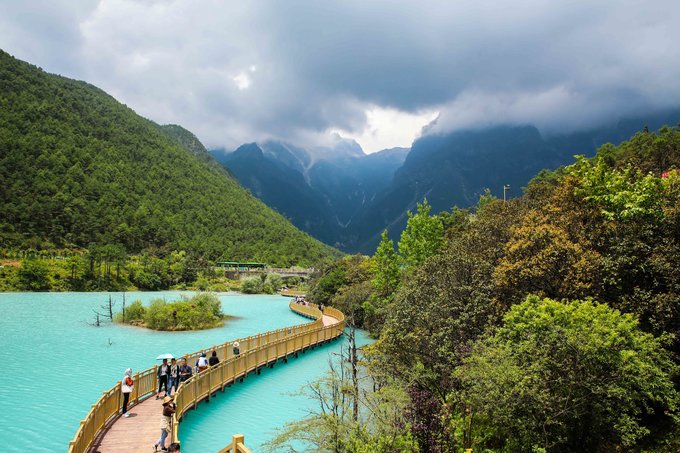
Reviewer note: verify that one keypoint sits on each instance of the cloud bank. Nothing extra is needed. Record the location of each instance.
(235, 72)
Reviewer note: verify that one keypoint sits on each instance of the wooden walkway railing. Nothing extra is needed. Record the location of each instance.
(237, 445)
(258, 351)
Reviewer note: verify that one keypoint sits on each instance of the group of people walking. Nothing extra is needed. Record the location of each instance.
(301, 300)
(170, 376)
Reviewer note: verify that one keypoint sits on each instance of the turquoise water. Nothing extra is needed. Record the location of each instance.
(260, 404)
(55, 365)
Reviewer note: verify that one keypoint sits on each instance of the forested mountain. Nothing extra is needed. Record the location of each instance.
(346, 198)
(281, 187)
(189, 141)
(321, 190)
(79, 168)
(454, 169)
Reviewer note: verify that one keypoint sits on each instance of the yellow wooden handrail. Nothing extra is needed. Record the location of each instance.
(202, 385)
(258, 350)
(237, 445)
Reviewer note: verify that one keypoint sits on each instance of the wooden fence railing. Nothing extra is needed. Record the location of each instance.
(202, 385)
(258, 350)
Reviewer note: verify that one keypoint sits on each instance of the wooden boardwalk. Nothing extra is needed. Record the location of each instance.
(141, 430)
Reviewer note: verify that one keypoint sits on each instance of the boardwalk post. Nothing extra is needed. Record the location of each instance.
(210, 373)
(235, 440)
(195, 390)
(222, 379)
(135, 390)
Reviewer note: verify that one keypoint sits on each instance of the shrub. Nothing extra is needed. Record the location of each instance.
(292, 280)
(274, 281)
(202, 283)
(202, 311)
(251, 285)
(134, 313)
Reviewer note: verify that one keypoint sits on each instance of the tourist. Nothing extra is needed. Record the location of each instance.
(173, 379)
(166, 422)
(126, 386)
(162, 373)
(174, 447)
(213, 359)
(236, 348)
(202, 363)
(184, 371)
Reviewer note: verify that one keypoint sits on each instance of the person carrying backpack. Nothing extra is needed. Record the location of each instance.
(202, 363)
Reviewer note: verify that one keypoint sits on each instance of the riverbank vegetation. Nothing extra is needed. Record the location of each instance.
(550, 322)
(267, 283)
(109, 268)
(202, 311)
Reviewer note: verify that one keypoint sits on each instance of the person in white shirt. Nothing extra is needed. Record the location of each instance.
(126, 387)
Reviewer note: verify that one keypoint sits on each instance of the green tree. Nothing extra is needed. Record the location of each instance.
(422, 237)
(542, 258)
(626, 195)
(385, 267)
(251, 285)
(33, 275)
(327, 281)
(438, 311)
(575, 376)
(272, 283)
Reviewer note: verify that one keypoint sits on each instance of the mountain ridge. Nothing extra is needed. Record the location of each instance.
(327, 189)
(80, 168)
(449, 169)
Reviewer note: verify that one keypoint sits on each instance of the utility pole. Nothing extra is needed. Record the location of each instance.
(506, 189)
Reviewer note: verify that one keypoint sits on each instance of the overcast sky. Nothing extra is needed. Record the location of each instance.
(377, 71)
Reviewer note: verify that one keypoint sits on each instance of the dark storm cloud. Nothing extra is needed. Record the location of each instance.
(240, 71)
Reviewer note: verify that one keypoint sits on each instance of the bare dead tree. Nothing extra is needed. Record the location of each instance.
(123, 307)
(97, 319)
(108, 309)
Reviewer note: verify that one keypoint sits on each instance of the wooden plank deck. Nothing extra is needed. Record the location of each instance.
(138, 432)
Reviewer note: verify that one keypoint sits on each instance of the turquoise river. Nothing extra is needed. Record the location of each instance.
(55, 365)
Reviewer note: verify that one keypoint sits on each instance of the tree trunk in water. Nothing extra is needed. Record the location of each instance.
(355, 377)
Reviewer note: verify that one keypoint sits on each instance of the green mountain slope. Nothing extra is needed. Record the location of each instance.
(77, 168)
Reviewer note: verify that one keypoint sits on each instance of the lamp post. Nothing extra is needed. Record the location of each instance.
(506, 188)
